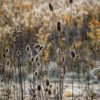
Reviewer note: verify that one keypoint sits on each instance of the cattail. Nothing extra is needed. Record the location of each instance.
(59, 26)
(14, 64)
(39, 88)
(41, 47)
(61, 77)
(72, 53)
(46, 89)
(36, 73)
(50, 7)
(50, 86)
(49, 92)
(1, 68)
(6, 76)
(74, 45)
(47, 82)
(1, 80)
(70, 1)
(18, 53)
(38, 63)
(36, 59)
(27, 48)
(7, 50)
(8, 62)
(32, 59)
(8, 91)
(36, 46)
(34, 95)
(63, 59)
(4, 55)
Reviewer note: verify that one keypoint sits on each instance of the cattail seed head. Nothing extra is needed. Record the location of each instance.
(4, 55)
(38, 64)
(50, 7)
(36, 46)
(8, 63)
(74, 45)
(1, 68)
(37, 59)
(61, 77)
(49, 92)
(1, 80)
(7, 50)
(36, 73)
(34, 95)
(59, 26)
(41, 47)
(14, 64)
(32, 59)
(50, 86)
(8, 91)
(6, 76)
(27, 48)
(73, 54)
(39, 87)
(47, 82)
(18, 53)
(70, 1)
(63, 59)
(46, 89)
